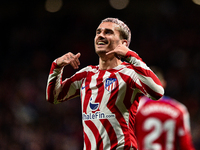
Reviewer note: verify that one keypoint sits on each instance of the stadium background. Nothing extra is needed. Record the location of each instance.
(165, 33)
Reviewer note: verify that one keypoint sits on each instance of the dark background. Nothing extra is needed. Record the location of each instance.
(165, 33)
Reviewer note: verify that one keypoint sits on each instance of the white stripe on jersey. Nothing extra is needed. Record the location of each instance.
(119, 103)
(91, 137)
(138, 63)
(119, 133)
(94, 93)
(57, 73)
(105, 96)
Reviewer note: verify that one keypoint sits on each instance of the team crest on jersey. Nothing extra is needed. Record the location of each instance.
(110, 84)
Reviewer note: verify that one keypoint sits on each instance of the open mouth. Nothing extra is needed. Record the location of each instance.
(102, 42)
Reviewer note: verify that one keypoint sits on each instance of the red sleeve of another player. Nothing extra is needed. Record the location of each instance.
(185, 138)
(186, 143)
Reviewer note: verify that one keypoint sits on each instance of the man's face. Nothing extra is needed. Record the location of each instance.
(107, 37)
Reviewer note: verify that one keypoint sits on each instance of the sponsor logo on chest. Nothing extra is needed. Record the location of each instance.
(96, 114)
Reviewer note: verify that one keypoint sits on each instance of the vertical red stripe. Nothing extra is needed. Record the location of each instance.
(105, 122)
(131, 107)
(98, 99)
(100, 87)
(96, 134)
(129, 90)
(50, 89)
(111, 105)
(87, 142)
(86, 99)
(53, 66)
(111, 133)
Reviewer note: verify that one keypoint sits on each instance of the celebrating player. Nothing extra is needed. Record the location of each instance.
(109, 91)
(162, 124)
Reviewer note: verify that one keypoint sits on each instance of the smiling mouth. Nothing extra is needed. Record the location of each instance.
(102, 42)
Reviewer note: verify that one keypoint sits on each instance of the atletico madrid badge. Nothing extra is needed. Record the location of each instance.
(110, 84)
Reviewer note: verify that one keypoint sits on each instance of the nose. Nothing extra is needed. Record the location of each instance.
(101, 35)
(101, 32)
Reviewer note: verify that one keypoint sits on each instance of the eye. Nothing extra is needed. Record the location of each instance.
(108, 32)
(98, 31)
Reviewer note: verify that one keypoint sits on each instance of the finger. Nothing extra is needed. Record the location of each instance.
(74, 65)
(78, 55)
(110, 52)
(71, 56)
(75, 61)
(77, 58)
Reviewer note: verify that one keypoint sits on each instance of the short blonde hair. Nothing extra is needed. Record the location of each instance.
(125, 32)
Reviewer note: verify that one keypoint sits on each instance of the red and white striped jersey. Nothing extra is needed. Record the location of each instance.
(109, 100)
(163, 125)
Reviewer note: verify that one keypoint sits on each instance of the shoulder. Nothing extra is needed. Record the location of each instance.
(126, 66)
(143, 101)
(88, 68)
(176, 104)
(179, 105)
(83, 73)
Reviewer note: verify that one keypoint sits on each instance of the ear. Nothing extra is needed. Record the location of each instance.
(124, 42)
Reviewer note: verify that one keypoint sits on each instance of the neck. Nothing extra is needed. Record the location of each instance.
(105, 64)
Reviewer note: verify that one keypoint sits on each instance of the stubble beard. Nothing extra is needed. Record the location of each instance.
(100, 52)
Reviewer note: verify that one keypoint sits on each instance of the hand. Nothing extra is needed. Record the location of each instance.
(69, 58)
(120, 50)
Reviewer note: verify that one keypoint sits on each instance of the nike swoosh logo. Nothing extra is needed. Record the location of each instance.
(83, 87)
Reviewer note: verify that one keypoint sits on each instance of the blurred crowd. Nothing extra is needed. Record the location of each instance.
(165, 34)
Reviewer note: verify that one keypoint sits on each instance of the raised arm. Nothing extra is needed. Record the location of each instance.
(58, 90)
(69, 58)
(149, 83)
